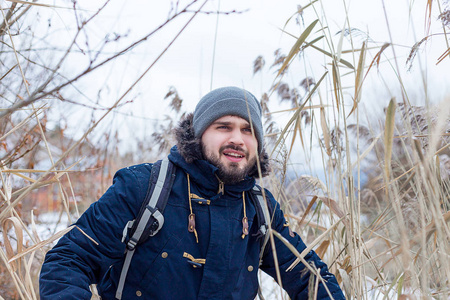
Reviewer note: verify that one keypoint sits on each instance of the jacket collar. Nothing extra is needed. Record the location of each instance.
(203, 174)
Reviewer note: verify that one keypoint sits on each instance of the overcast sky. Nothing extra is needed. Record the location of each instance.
(240, 37)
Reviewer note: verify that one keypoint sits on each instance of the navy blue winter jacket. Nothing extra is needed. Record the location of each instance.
(160, 268)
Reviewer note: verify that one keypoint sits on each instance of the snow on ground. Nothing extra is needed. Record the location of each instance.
(271, 290)
(50, 223)
(46, 225)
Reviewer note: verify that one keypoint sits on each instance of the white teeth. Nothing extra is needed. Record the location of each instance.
(234, 154)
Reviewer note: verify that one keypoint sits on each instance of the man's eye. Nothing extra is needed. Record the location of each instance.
(249, 130)
(223, 127)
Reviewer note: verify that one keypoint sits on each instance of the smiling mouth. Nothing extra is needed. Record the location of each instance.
(236, 155)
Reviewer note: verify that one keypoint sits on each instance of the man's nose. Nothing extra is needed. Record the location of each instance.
(236, 137)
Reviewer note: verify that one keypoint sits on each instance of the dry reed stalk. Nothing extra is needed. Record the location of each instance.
(35, 111)
(296, 48)
(23, 265)
(312, 245)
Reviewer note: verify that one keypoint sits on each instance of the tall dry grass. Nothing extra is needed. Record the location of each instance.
(49, 168)
(378, 216)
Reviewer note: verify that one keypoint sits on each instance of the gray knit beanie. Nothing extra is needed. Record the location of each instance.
(228, 101)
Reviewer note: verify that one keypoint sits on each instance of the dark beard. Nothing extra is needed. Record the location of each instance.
(231, 174)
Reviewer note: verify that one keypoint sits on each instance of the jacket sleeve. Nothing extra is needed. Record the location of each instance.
(295, 282)
(76, 262)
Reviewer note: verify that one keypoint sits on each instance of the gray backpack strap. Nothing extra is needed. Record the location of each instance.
(264, 223)
(123, 274)
(263, 216)
(150, 218)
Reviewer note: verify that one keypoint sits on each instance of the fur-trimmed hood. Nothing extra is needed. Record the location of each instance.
(190, 147)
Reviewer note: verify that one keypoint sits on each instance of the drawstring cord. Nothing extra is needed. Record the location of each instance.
(244, 219)
(191, 218)
(221, 185)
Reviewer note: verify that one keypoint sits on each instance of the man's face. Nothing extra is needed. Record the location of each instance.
(228, 143)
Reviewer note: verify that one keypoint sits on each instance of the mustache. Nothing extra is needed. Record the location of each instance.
(233, 147)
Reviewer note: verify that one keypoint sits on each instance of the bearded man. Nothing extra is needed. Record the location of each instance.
(210, 244)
